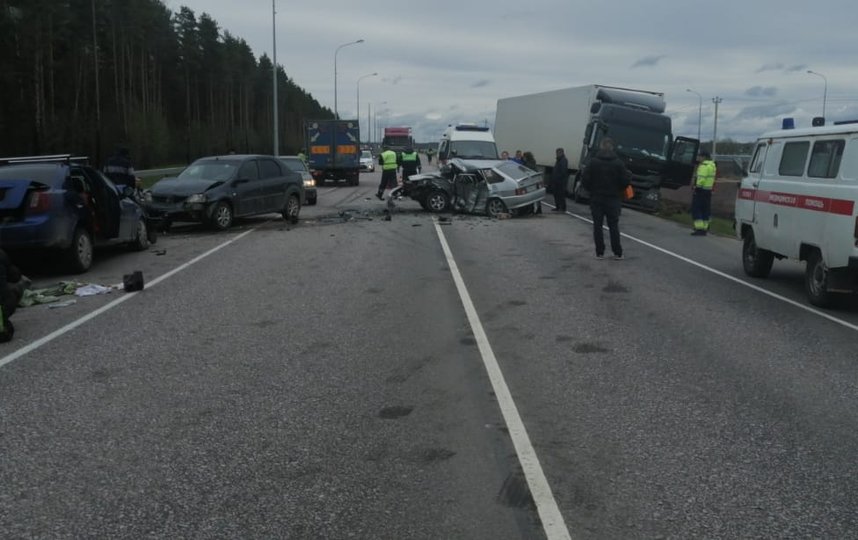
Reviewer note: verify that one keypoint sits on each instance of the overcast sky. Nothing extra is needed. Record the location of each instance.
(445, 61)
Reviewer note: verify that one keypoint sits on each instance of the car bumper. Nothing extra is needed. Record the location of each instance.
(517, 201)
(310, 193)
(365, 167)
(178, 211)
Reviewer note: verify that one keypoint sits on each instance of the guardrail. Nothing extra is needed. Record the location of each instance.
(156, 172)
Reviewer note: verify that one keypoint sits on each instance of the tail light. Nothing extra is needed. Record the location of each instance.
(520, 191)
(40, 202)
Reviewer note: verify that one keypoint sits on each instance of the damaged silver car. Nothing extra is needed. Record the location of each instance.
(491, 187)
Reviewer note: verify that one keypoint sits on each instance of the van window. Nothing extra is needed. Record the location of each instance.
(793, 158)
(757, 161)
(850, 161)
(825, 159)
(773, 157)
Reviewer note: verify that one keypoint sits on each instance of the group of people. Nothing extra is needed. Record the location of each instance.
(606, 178)
(522, 158)
(390, 162)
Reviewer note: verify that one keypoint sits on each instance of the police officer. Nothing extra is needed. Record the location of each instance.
(387, 160)
(409, 160)
(701, 201)
(119, 169)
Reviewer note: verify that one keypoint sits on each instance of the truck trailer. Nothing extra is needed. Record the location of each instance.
(577, 119)
(397, 139)
(334, 150)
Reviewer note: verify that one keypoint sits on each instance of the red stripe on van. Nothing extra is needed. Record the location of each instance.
(841, 207)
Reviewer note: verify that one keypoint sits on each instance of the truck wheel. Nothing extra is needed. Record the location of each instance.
(437, 201)
(755, 261)
(816, 281)
(356, 179)
(79, 254)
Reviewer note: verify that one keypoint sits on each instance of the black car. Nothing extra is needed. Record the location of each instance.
(61, 203)
(300, 166)
(216, 190)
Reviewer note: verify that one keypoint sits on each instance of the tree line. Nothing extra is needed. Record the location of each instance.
(83, 76)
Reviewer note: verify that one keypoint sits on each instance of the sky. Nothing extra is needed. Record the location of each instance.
(442, 62)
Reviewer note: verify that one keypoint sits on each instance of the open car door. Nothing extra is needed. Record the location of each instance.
(679, 168)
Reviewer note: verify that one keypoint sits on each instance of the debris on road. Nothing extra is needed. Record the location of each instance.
(62, 304)
(92, 289)
(133, 282)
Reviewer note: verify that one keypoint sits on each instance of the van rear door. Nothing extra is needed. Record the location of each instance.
(679, 168)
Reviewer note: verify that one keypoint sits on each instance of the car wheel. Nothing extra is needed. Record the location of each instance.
(816, 281)
(222, 216)
(292, 209)
(141, 241)
(437, 201)
(79, 253)
(495, 207)
(755, 261)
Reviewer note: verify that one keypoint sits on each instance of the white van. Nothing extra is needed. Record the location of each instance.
(467, 141)
(799, 200)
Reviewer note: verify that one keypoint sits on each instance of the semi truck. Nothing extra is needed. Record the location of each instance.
(333, 150)
(397, 138)
(578, 118)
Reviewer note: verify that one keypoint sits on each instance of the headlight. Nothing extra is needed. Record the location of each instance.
(309, 183)
(196, 198)
(147, 196)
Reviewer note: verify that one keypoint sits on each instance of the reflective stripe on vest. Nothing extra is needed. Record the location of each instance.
(706, 174)
(389, 159)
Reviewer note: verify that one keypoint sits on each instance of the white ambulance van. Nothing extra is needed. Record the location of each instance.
(466, 141)
(799, 200)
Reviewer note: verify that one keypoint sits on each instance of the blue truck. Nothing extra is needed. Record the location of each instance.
(333, 150)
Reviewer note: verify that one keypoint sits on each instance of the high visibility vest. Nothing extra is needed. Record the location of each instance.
(705, 174)
(388, 157)
(409, 157)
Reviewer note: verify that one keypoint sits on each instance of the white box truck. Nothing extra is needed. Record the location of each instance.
(577, 119)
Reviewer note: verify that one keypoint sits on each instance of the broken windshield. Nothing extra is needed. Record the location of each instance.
(640, 141)
(210, 170)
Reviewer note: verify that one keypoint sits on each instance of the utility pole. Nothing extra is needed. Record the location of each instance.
(97, 91)
(274, 39)
(716, 100)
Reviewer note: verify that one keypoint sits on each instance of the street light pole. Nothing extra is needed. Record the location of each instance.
(274, 75)
(377, 132)
(824, 91)
(699, 110)
(336, 114)
(358, 92)
(716, 100)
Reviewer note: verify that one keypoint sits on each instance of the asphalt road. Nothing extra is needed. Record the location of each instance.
(327, 380)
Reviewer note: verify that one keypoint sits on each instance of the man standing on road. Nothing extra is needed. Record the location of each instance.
(559, 174)
(119, 169)
(387, 161)
(606, 177)
(409, 160)
(701, 201)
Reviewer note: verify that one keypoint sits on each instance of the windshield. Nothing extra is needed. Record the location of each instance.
(473, 150)
(640, 141)
(210, 169)
(366, 154)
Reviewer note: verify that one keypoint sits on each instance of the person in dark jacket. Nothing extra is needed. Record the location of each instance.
(606, 178)
(119, 168)
(12, 285)
(559, 174)
(529, 161)
(409, 161)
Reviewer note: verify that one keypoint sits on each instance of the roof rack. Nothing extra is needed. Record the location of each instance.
(56, 158)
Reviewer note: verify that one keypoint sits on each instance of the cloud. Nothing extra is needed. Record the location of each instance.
(797, 67)
(766, 111)
(648, 61)
(479, 84)
(761, 91)
(771, 67)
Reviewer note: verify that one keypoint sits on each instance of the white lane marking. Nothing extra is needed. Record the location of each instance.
(127, 296)
(549, 513)
(724, 275)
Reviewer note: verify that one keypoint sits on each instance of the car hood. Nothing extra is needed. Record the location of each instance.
(176, 186)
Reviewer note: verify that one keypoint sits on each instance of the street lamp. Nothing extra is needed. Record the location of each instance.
(699, 110)
(274, 74)
(375, 120)
(825, 90)
(336, 114)
(358, 95)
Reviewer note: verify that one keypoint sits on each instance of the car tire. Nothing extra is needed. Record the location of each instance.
(79, 254)
(495, 207)
(141, 241)
(222, 216)
(292, 209)
(437, 201)
(755, 261)
(816, 280)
